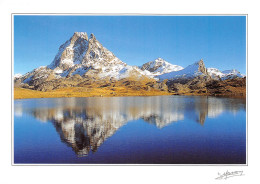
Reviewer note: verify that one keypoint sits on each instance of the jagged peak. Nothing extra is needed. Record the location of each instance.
(158, 60)
(200, 62)
(202, 67)
(92, 36)
(83, 35)
(199, 66)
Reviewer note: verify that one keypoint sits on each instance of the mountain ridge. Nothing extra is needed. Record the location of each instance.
(82, 61)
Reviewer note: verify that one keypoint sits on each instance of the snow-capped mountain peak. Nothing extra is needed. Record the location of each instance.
(86, 57)
(81, 52)
(83, 35)
(159, 66)
(226, 74)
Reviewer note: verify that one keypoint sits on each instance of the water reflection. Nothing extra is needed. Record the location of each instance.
(85, 123)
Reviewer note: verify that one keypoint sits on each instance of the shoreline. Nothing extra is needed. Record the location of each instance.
(22, 93)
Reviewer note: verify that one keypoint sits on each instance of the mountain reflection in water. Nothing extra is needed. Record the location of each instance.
(85, 123)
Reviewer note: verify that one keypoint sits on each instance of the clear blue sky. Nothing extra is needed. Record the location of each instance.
(182, 40)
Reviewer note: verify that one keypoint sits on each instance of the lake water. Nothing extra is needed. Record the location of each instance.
(126, 130)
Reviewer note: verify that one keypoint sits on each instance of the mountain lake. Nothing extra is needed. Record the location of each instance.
(130, 130)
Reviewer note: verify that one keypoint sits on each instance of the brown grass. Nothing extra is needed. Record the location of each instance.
(133, 88)
(234, 92)
(21, 93)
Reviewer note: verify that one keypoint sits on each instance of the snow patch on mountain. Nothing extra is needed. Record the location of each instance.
(130, 71)
(215, 73)
(17, 75)
(80, 71)
(58, 70)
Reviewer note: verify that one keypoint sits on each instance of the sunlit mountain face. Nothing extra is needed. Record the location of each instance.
(84, 124)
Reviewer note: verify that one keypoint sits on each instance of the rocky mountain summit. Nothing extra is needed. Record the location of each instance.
(83, 61)
(80, 58)
(86, 56)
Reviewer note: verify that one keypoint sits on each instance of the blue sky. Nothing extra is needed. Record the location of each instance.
(182, 40)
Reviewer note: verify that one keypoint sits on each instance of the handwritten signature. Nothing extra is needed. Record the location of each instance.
(228, 174)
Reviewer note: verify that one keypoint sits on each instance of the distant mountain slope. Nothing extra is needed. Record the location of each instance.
(159, 67)
(189, 72)
(226, 74)
(230, 74)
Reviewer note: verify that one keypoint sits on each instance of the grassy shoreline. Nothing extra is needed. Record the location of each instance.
(21, 93)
